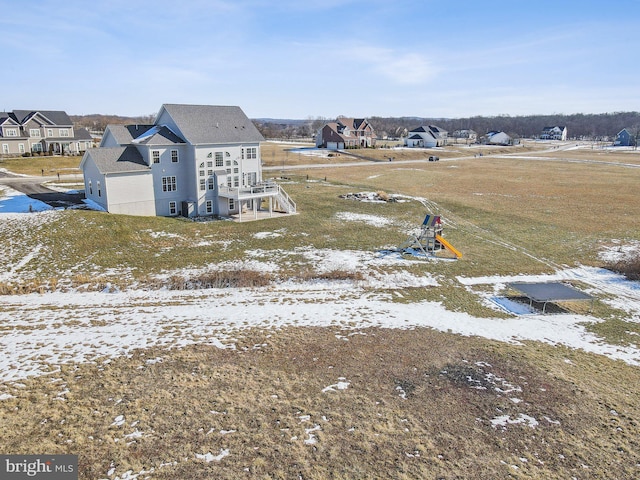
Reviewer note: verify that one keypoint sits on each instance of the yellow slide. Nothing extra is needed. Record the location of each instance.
(449, 247)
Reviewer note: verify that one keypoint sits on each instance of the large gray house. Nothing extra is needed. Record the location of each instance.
(195, 160)
(37, 131)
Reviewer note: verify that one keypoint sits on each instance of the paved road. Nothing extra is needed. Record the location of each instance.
(33, 187)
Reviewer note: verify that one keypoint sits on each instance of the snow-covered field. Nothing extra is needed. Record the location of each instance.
(41, 331)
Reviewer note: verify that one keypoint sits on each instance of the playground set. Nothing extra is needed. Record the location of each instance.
(429, 241)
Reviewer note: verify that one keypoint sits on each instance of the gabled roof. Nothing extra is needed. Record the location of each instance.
(8, 118)
(54, 117)
(353, 123)
(117, 159)
(211, 124)
(125, 134)
(158, 135)
(334, 133)
(432, 129)
(82, 134)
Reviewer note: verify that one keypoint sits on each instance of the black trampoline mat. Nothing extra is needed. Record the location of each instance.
(549, 292)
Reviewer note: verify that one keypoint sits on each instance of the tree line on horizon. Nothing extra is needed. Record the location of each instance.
(598, 127)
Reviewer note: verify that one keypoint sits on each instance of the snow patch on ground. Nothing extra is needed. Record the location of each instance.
(374, 220)
(15, 202)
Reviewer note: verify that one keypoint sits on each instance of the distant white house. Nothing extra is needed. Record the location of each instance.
(426, 136)
(466, 134)
(554, 133)
(497, 138)
(194, 160)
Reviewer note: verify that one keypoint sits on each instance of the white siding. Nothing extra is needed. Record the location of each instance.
(91, 178)
(130, 193)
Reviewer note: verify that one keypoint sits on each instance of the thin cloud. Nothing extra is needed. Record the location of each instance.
(402, 68)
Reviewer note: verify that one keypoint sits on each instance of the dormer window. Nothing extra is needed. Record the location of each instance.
(34, 132)
(11, 132)
(64, 132)
(155, 154)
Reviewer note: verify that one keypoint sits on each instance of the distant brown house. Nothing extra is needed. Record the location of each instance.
(346, 133)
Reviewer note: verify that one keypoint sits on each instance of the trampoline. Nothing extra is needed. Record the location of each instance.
(549, 292)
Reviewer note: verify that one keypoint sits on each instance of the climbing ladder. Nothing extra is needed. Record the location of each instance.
(429, 240)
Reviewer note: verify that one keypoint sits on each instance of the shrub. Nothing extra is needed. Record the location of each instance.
(629, 267)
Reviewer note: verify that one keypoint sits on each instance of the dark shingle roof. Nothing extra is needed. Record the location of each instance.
(158, 135)
(56, 117)
(210, 124)
(125, 134)
(82, 134)
(117, 159)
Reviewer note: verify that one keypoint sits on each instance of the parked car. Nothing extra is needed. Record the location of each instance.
(433, 158)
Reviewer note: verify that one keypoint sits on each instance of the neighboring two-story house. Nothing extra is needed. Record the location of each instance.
(554, 133)
(427, 137)
(34, 131)
(195, 160)
(346, 133)
(625, 138)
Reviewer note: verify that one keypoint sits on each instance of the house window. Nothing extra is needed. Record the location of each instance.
(209, 164)
(36, 147)
(155, 154)
(228, 181)
(232, 204)
(11, 132)
(203, 184)
(174, 156)
(21, 147)
(34, 132)
(242, 153)
(209, 206)
(173, 208)
(169, 184)
(64, 132)
(201, 173)
(209, 172)
(210, 183)
(236, 181)
(5, 148)
(228, 163)
(219, 159)
(235, 170)
(90, 188)
(49, 132)
(252, 152)
(99, 189)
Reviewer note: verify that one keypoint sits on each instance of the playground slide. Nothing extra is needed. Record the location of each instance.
(448, 246)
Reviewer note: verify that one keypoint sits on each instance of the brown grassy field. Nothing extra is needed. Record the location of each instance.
(46, 165)
(317, 403)
(328, 403)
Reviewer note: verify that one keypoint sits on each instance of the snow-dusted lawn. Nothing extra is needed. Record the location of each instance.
(41, 331)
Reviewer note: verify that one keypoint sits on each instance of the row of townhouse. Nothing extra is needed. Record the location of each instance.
(194, 160)
(35, 131)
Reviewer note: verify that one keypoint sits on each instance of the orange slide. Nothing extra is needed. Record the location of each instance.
(449, 247)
